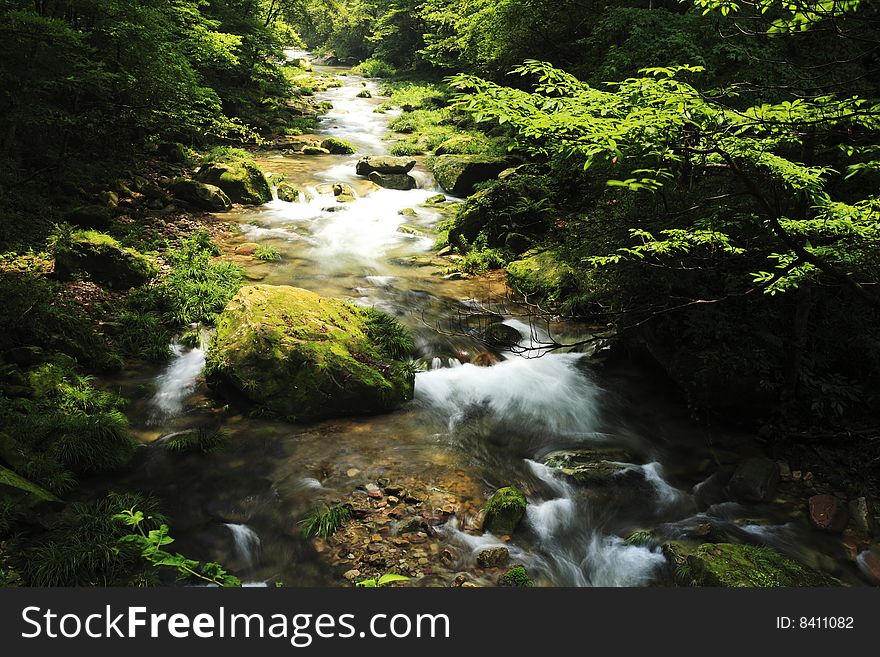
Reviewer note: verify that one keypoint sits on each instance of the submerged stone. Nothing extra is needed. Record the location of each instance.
(306, 357)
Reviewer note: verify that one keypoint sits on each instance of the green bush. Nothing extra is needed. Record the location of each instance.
(374, 68)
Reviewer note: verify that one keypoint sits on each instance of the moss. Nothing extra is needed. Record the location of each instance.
(504, 510)
(539, 273)
(459, 174)
(468, 144)
(242, 181)
(103, 259)
(518, 577)
(315, 150)
(302, 356)
(338, 146)
(729, 565)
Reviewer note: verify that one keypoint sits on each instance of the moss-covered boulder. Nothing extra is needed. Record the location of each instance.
(338, 146)
(287, 192)
(460, 174)
(726, 564)
(242, 181)
(398, 181)
(504, 510)
(315, 150)
(540, 274)
(306, 357)
(384, 164)
(104, 260)
(200, 195)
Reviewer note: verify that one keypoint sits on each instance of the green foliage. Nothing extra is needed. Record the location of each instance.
(384, 580)
(518, 577)
(267, 253)
(392, 337)
(150, 542)
(374, 68)
(205, 441)
(324, 522)
(83, 547)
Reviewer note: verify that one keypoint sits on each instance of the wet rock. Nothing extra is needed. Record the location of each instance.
(713, 490)
(725, 564)
(200, 195)
(501, 335)
(493, 557)
(104, 260)
(827, 513)
(384, 165)
(599, 468)
(315, 150)
(516, 576)
(287, 193)
(303, 356)
(459, 174)
(337, 146)
(755, 480)
(242, 182)
(504, 510)
(110, 199)
(399, 181)
(412, 525)
(869, 564)
(247, 249)
(862, 514)
(436, 200)
(352, 575)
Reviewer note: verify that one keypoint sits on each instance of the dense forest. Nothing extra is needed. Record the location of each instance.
(692, 182)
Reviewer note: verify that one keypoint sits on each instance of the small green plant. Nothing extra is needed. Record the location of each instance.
(205, 441)
(267, 253)
(325, 521)
(641, 538)
(151, 543)
(384, 580)
(392, 337)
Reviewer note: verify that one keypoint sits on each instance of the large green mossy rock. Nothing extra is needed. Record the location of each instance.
(726, 564)
(505, 510)
(338, 146)
(243, 182)
(540, 274)
(384, 164)
(460, 174)
(306, 357)
(104, 260)
(17, 489)
(200, 195)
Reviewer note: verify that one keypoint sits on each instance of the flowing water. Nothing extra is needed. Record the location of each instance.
(469, 429)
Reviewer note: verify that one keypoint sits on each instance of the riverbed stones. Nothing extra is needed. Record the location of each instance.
(305, 357)
(755, 480)
(200, 195)
(242, 182)
(493, 557)
(460, 174)
(384, 164)
(505, 510)
(399, 181)
(827, 513)
(729, 565)
(104, 260)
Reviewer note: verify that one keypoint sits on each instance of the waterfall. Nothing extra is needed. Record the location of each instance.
(177, 382)
(247, 544)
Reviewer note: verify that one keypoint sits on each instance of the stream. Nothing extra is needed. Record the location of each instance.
(469, 430)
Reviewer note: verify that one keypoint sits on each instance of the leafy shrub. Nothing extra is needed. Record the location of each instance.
(393, 338)
(374, 68)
